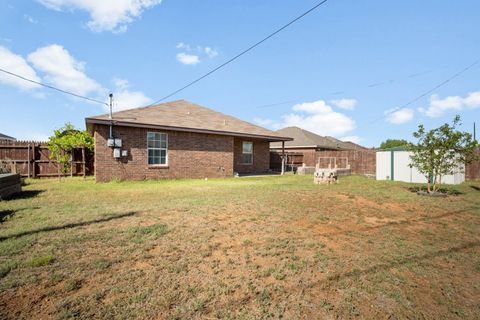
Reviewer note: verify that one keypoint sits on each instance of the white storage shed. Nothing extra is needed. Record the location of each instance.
(395, 164)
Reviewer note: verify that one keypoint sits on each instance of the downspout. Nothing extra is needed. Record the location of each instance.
(110, 134)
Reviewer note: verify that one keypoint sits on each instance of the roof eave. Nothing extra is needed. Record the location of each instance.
(184, 129)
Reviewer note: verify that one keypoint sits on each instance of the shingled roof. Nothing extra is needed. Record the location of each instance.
(5, 137)
(182, 115)
(306, 139)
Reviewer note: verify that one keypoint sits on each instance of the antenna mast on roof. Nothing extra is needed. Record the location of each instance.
(474, 132)
(110, 115)
(110, 105)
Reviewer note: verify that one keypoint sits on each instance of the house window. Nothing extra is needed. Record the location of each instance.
(157, 148)
(247, 152)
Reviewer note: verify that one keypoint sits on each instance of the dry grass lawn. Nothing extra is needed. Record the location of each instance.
(250, 248)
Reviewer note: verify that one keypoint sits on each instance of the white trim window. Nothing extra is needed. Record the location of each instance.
(157, 148)
(247, 152)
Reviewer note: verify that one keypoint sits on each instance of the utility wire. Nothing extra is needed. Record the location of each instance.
(240, 54)
(53, 88)
(369, 86)
(426, 93)
(441, 84)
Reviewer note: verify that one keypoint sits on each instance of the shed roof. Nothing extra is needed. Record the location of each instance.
(307, 139)
(183, 115)
(5, 137)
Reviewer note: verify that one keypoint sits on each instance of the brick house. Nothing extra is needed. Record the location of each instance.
(177, 139)
(307, 148)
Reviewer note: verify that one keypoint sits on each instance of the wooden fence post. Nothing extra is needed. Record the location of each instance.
(34, 158)
(84, 164)
(29, 160)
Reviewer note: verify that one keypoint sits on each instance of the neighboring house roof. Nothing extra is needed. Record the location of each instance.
(353, 146)
(182, 115)
(306, 139)
(5, 137)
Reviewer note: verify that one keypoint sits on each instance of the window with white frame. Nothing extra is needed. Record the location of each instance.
(157, 147)
(247, 152)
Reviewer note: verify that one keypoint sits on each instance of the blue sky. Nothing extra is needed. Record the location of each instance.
(340, 68)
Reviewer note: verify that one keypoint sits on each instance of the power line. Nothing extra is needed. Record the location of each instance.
(52, 87)
(240, 54)
(426, 93)
(276, 104)
(369, 86)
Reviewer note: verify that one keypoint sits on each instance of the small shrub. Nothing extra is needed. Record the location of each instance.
(40, 261)
(72, 284)
(4, 270)
(141, 233)
(102, 264)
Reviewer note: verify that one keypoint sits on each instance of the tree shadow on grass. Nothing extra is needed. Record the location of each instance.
(444, 190)
(475, 188)
(6, 214)
(68, 225)
(27, 194)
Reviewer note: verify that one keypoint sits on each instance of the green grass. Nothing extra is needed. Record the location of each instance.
(263, 247)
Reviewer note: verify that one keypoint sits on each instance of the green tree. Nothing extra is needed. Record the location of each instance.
(64, 141)
(393, 143)
(440, 151)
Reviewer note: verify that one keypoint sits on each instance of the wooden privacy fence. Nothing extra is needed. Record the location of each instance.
(472, 170)
(360, 161)
(32, 159)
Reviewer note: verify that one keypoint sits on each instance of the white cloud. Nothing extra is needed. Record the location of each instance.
(354, 139)
(211, 53)
(316, 116)
(319, 106)
(472, 100)
(438, 107)
(105, 15)
(121, 84)
(347, 104)
(188, 59)
(30, 19)
(182, 45)
(63, 70)
(194, 55)
(126, 99)
(399, 116)
(16, 64)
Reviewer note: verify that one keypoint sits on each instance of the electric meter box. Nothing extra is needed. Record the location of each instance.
(116, 153)
(114, 143)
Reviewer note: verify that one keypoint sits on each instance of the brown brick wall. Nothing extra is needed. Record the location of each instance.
(190, 155)
(261, 156)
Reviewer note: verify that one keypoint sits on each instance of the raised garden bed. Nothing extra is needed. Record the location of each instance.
(10, 184)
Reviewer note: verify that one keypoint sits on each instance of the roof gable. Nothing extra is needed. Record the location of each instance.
(304, 138)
